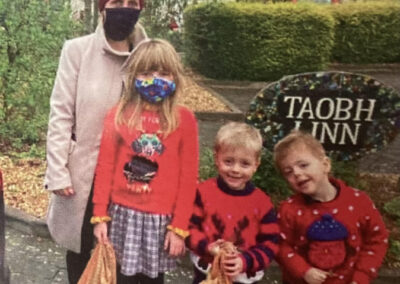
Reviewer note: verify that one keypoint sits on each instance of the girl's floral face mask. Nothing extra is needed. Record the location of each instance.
(154, 90)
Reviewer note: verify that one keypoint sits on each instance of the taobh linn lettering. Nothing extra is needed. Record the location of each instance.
(339, 112)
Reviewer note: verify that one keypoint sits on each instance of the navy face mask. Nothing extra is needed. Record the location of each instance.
(120, 22)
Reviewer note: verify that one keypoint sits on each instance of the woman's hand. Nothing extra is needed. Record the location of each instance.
(233, 265)
(68, 191)
(174, 244)
(100, 232)
(315, 276)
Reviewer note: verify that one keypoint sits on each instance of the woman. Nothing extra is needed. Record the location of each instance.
(88, 83)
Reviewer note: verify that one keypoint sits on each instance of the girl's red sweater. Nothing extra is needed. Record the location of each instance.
(174, 185)
(366, 242)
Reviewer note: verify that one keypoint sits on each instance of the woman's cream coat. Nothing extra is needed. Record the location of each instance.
(87, 85)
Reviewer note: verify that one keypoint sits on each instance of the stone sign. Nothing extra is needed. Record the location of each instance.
(351, 114)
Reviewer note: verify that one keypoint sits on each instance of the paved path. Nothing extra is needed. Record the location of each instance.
(39, 260)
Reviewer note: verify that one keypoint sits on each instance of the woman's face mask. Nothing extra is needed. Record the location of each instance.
(119, 22)
(154, 90)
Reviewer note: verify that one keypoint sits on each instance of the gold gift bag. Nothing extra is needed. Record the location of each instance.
(101, 268)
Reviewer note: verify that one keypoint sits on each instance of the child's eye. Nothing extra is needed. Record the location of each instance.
(163, 73)
(303, 165)
(287, 172)
(228, 162)
(245, 164)
(145, 74)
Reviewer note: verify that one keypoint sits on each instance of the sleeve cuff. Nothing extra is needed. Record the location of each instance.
(180, 232)
(244, 269)
(97, 219)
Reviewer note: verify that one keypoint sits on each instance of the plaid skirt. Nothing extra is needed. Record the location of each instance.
(138, 240)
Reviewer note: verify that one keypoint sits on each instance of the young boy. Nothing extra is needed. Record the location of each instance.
(230, 208)
(331, 233)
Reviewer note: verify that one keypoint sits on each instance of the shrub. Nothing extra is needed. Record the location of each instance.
(367, 32)
(393, 207)
(257, 41)
(31, 36)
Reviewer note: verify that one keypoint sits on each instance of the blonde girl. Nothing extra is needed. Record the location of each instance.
(147, 167)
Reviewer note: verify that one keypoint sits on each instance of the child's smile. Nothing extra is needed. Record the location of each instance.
(236, 166)
(305, 172)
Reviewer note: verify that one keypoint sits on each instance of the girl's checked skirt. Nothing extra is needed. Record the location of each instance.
(138, 240)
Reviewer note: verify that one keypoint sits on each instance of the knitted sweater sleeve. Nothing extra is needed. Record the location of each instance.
(374, 245)
(287, 257)
(197, 240)
(260, 256)
(188, 161)
(105, 167)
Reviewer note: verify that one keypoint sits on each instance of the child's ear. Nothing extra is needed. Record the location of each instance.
(328, 165)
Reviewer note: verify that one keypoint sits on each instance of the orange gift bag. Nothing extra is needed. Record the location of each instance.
(217, 275)
(101, 268)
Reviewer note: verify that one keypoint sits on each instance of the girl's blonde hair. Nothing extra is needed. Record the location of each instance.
(297, 138)
(151, 55)
(239, 135)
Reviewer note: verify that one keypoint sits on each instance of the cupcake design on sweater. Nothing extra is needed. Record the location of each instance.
(142, 167)
(327, 248)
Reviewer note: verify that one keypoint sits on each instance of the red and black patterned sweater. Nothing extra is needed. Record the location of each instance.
(246, 218)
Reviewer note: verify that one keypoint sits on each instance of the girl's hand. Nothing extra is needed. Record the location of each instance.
(174, 244)
(100, 232)
(213, 248)
(315, 276)
(68, 191)
(233, 265)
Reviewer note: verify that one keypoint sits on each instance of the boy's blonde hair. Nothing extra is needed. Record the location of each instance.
(297, 138)
(151, 55)
(239, 135)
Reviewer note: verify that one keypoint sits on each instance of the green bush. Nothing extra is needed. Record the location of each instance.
(257, 41)
(393, 207)
(31, 35)
(367, 32)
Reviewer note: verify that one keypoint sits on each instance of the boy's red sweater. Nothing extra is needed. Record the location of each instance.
(173, 187)
(366, 243)
(246, 218)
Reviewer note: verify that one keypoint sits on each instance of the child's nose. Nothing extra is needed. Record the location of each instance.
(296, 172)
(235, 167)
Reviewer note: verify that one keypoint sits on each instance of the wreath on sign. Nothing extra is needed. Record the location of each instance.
(264, 111)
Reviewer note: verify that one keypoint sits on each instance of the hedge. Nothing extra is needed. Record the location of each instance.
(257, 41)
(266, 41)
(367, 32)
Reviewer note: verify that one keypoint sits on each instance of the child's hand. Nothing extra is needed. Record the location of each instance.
(233, 265)
(100, 232)
(315, 276)
(174, 244)
(213, 248)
